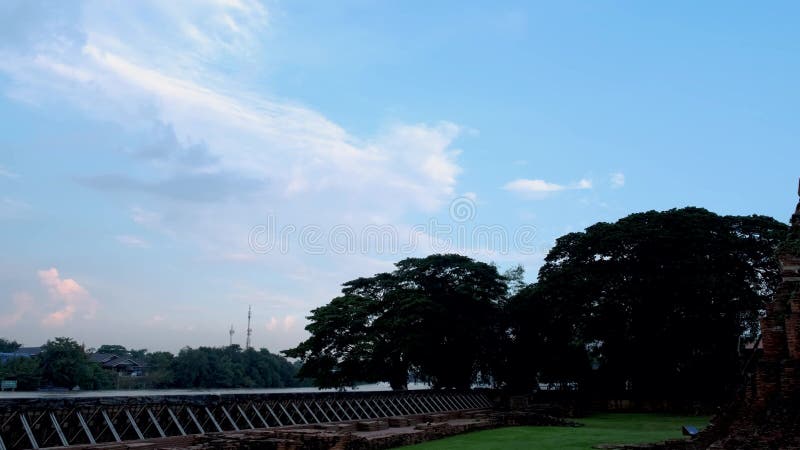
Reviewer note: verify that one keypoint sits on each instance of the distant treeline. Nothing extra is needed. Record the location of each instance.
(63, 363)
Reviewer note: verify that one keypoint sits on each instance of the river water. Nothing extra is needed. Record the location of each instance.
(154, 392)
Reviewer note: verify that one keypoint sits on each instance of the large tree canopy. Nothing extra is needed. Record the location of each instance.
(435, 317)
(226, 367)
(64, 363)
(658, 302)
(8, 346)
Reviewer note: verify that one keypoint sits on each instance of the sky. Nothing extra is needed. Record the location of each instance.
(164, 165)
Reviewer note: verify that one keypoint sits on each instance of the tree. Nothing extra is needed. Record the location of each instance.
(25, 370)
(340, 351)
(99, 378)
(139, 354)
(543, 342)
(230, 367)
(457, 301)
(8, 346)
(113, 349)
(64, 363)
(659, 301)
(435, 317)
(159, 368)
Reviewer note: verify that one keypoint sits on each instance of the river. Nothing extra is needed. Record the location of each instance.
(156, 392)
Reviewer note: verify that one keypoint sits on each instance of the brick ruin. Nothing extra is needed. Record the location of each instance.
(379, 434)
(767, 415)
(779, 367)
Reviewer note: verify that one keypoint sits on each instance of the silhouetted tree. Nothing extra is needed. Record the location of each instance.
(113, 350)
(8, 346)
(658, 301)
(435, 317)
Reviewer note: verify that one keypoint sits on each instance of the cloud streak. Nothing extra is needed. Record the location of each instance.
(206, 154)
(11, 208)
(132, 241)
(5, 173)
(213, 140)
(281, 324)
(541, 188)
(22, 302)
(617, 180)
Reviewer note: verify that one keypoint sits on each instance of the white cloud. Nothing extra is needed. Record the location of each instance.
(7, 173)
(617, 180)
(155, 320)
(539, 187)
(132, 241)
(157, 66)
(11, 208)
(283, 324)
(23, 302)
(218, 153)
(145, 217)
(525, 185)
(68, 297)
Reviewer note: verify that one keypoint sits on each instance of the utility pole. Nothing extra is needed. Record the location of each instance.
(231, 333)
(249, 330)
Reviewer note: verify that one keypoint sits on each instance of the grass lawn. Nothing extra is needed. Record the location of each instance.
(617, 428)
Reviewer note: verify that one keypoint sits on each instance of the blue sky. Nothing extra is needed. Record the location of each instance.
(163, 165)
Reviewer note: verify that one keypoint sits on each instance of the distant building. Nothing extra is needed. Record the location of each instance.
(22, 352)
(122, 365)
(29, 351)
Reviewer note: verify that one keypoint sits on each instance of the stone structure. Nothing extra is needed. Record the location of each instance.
(362, 435)
(138, 421)
(779, 367)
(769, 414)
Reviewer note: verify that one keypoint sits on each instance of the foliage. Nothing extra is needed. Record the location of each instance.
(120, 350)
(231, 367)
(657, 301)
(113, 350)
(598, 429)
(64, 363)
(26, 371)
(435, 317)
(8, 346)
(159, 369)
(543, 344)
(99, 378)
(792, 243)
(339, 352)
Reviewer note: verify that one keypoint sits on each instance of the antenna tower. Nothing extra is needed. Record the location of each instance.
(249, 330)
(231, 333)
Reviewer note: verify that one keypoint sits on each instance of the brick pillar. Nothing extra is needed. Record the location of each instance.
(789, 382)
(768, 378)
(779, 368)
(773, 337)
(793, 330)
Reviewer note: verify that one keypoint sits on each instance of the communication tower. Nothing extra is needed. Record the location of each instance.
(249, 330)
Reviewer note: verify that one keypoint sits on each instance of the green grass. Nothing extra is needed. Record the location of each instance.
(618, 428)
